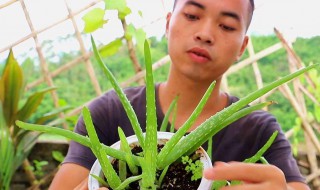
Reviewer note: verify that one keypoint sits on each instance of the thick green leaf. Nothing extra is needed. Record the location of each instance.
(32, 104)
(111, 48)
(150, 149)
(13, 82)
(122, 96)
(126, 148)
(93, 20)
(111, 175)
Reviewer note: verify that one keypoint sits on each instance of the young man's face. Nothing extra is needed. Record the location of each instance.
(206, 36)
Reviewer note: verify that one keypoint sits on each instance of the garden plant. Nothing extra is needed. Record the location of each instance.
(146, 165)
(16, 143)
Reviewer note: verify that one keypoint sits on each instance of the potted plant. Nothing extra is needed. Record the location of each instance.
(149, 166)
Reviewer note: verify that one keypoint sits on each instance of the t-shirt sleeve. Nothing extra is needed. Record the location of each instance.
(280, 154)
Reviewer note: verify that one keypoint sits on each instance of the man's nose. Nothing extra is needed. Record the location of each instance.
(205, 34)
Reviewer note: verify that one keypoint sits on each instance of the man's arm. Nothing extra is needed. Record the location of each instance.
(69, 176)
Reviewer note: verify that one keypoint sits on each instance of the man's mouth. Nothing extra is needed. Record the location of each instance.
(199, 54)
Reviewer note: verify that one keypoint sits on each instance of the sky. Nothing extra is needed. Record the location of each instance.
(294, 18)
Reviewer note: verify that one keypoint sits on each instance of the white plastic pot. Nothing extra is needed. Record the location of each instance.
(93, 184)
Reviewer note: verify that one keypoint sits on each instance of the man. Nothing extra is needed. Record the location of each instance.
(205, 37)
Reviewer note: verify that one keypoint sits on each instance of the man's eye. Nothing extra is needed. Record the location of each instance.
(191, 17)
(227, 28)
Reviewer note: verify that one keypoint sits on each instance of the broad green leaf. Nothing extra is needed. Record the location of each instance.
(13, 82)
(111, 48)
(32, 104)
(93, 20)
(120, 5)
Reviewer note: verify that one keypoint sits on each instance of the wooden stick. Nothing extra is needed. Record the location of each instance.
(259, 55)
(308, 129)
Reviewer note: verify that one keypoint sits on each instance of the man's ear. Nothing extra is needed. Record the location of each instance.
(243, 47)
(168, 22)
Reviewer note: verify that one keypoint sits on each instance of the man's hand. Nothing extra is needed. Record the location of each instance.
(253, 176)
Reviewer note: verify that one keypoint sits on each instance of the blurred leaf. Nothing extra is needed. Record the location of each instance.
(57, 155)
(94, 20)
(138, 34)
(111, 48)
(32, 104)
(53, 114)
(1, 91)
(6, 154)
(12, 85)
(120, 5)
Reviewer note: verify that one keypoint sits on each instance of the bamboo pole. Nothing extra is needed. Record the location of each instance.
(83, 50)
(7, 3)
(308, 129)
(37, 32)
(259, 55)
(256, 71)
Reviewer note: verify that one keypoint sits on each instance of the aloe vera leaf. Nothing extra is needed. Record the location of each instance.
(163, 174)
(150, 149)
(185, 127)
(239, 114)
(165, 121)
(75, 137)
(126, 148)
(111, 175)
(100, 180)
(123, 98)
(129, 180)
(209, 149)
(109, 172)
(262, 150)
(209, 127)
(259, 154)
(174, 116)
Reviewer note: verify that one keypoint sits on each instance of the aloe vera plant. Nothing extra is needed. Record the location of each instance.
(179, 145)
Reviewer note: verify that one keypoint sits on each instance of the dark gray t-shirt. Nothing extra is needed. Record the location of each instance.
(240, 140)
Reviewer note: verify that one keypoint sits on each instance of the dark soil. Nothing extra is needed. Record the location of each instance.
(177, 178)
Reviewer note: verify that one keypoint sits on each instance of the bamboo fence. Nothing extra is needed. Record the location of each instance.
(295, 95)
